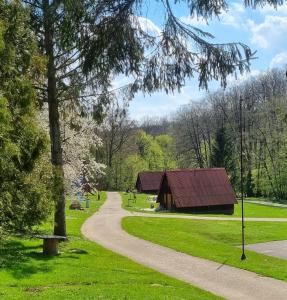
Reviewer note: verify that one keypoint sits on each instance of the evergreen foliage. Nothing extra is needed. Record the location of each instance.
(24, 171)
(223, 153)
(249, 184)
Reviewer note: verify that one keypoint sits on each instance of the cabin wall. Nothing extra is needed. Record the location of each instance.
(138, 185)
(227, 209)
(167, 201)
(164, 196)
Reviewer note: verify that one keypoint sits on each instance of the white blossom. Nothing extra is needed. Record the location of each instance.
(78, 135)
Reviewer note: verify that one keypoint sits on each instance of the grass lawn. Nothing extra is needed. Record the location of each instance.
(214, 240)
(259, 211)
(83, 270)
(251, 210)
(140, 203)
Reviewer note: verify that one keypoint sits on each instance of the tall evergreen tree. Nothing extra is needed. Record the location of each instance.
(223, 153)
(249, 185)
(24, 193)
(86, 42)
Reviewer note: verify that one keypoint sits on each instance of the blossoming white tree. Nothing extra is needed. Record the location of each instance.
(78, 135)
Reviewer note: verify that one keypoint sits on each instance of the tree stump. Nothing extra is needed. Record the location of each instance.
(51, 243)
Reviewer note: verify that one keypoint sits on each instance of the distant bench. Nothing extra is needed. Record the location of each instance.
(51, 243)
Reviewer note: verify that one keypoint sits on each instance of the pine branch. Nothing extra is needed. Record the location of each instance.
(260, 3)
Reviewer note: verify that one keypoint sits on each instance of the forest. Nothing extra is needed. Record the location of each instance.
(206, 134)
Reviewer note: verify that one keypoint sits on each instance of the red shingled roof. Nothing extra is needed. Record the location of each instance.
(200, 187)
(149, 181)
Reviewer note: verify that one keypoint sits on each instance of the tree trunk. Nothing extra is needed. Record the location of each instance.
(54, 124)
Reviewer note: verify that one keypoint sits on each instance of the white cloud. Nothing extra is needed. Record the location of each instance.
(231, 79)
(238, 7)
(267, 10)
(121, 81)
(268, 33)
(230, 20)
(232, 17)
(148, 26)
(279, 60)
(161, 104)
(193, 21)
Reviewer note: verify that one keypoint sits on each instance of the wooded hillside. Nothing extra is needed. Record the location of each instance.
(206, 134)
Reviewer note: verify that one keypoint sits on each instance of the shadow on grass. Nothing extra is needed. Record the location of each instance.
(22, 260)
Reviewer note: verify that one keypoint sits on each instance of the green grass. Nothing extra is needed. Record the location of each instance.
(259, 211)
(251, 210)
(214, 240)
(139, 204)
(83, 270)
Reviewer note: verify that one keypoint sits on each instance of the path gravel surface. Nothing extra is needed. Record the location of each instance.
(178, 216)
(277, 248)
(267, 203)
(104, 227)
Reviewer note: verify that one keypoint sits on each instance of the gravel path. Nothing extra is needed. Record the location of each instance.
(276, 248)
(267, 203)
(177, 216)
(104, 227)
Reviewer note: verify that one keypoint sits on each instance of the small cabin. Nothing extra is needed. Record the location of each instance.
(148, 182)
(197, 190)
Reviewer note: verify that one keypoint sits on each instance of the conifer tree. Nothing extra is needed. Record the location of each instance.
(24, 198)
(249, 186)
(223, 153)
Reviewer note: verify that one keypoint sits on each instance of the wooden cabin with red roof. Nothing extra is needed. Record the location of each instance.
(149, 182)
(197, 190)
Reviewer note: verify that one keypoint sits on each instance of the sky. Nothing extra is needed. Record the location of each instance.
(263, 30)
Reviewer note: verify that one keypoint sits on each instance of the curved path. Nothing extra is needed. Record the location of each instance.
(267, 203)
(177, 216)
(104, 227)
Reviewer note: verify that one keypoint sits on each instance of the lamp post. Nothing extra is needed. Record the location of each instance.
(243, 256)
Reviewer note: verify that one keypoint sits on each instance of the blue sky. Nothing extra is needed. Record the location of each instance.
(263, 30)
